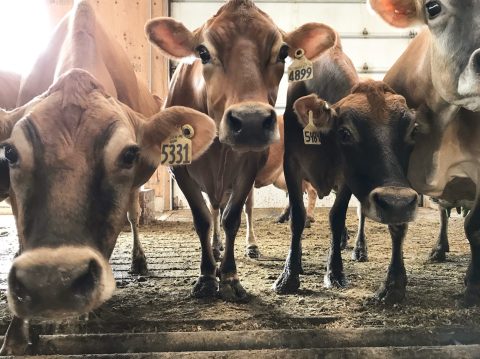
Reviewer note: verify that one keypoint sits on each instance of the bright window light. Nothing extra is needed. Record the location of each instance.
(24, 33)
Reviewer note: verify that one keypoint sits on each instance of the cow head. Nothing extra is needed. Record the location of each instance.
(455, 43)
(74, 155)
(373, 130)
(243, 55)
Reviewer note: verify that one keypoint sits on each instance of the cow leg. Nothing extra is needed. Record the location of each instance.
(312, 199)
(217, 245)
(139, 261)
(360, 252)
(206, 285)
(393, 289)
(472, 231)
(230, 288)
(19, 339)
(441, 247)
(285, 216)
(251, 250)
(289, 280)
(334, 277)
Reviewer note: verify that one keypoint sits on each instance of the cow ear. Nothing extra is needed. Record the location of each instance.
(399, 13)
(313, 38)
(322, 112)
(171, 37)
(168, 122)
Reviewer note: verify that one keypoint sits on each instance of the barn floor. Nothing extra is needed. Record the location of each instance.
(160, 302)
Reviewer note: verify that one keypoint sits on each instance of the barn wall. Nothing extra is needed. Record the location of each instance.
(125, 20)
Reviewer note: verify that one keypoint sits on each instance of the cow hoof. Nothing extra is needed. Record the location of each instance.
(344, 240)
(139, 266)
(231, 290)
(282, 218)
(252, 251)
(360, 255)
(437, 255)
(287, 283)
(205, 287)
(308, 223)
(334, 280)
(471, 296)
(392, 291)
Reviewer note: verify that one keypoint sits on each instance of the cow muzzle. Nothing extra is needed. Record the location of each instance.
(391, 205)
(469, 84)
(249, 127)
(56, 283)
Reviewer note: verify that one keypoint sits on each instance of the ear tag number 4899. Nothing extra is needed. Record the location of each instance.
(177, 149)
(301, 68)
(311, 133)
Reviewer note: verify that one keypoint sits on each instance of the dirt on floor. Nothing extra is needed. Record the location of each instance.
(161, 301)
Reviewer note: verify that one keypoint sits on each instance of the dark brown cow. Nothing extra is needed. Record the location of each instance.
(9, 87)
(365, 143)
(235, 80)
(75, 155)
(439, 75)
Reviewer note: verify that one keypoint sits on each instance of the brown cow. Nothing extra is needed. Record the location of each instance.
(365, 143)
(9, 87)
(235, 80)
(439, 75)
(75, 156)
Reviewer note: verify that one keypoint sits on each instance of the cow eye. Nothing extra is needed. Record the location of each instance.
(414, 130)
(129, 156)
(11, 154)
(433, 8)
(345, 136)
(204, 54)
(283, 53)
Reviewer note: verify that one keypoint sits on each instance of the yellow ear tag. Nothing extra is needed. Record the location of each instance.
(311, 134)
(177, 149)
(301, 68)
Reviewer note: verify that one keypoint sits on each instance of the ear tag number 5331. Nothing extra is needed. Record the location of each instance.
(301, 68)
(177, 149)
(311, 133)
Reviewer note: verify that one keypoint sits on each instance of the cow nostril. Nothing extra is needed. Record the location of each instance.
(235, 123)
(270, 122)
(86, 281)
(18, 289)
(476, 63)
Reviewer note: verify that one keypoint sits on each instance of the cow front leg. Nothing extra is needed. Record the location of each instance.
(334, 277)
(360, 252)
(289, 280)
(472, 231)
(441, 247)
(217, 245)
(206, 285)
(393, 289)
(312, 199)
(230, 288)
(251, 249)
(19, 339)
(139, 261)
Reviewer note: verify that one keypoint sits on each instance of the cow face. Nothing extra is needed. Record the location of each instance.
(454, 50)
(243, 55)
(74, 156)
(373, 130)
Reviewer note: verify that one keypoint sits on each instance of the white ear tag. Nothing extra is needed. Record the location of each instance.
(311, 134)
(301, 68)
(177, 149)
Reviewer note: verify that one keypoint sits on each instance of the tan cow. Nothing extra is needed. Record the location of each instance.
(76, 157)
(9, 87)
(439, 74)
(241, 55)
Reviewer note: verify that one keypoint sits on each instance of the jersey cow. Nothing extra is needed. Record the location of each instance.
(75, 155)
(241, 55)
(365, 142)
(439, 75)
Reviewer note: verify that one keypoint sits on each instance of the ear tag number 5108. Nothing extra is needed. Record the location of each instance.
(311, 133)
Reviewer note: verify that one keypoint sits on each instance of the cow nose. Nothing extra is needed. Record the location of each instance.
(476, 61)
(394, 204)
(249, 126)
(65, 281)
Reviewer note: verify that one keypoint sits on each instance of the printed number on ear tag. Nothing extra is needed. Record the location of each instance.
(301, 68)
(311, 133)
(177, 149)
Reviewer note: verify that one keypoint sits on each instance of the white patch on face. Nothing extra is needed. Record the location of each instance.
(121, 138)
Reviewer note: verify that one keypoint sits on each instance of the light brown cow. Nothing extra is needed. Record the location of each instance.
(235, 80)
(76, 156)
(9, 87)
(439, 74)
